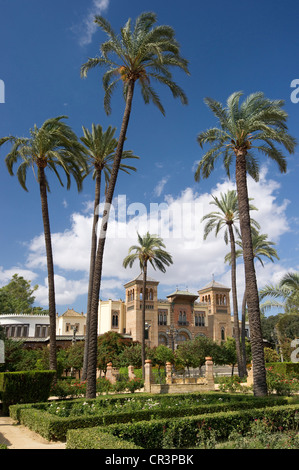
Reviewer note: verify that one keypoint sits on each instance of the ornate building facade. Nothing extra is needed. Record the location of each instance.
(181, 316)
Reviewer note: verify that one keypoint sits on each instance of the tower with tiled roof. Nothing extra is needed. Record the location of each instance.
(216, 296)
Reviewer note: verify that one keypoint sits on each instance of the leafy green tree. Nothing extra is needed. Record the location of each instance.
(110, 347)
(13, 355)
(74, 356)
(271, 355)
(193, 353)
(142, 54)
(53, 146)
(131, 356)
(163, 354)
(150, 250)
(185, 355)
(257, 124)
(100, 149)
(17, 297)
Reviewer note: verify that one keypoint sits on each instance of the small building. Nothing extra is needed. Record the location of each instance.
(33, 330)
(69, 321)
(25, 326)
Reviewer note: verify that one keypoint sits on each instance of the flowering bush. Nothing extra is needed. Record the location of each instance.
(280, 383)
(230, 384)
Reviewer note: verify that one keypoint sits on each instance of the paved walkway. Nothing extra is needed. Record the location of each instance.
(16, 436)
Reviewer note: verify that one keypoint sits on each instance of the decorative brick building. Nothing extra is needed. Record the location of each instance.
(181, 316)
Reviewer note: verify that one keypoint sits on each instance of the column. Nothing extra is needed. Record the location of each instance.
(209, 373)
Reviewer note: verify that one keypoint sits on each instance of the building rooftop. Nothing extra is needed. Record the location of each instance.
(70, 312)
(183, 293)
(214, 284)
(140, 278)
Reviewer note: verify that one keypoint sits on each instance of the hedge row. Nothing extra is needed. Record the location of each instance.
(52, 427)
(285, 368)
(25, 387)
(99, 440)
(182, 432)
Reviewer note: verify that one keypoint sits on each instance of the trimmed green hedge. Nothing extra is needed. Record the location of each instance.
(184, 432)
(286, 368)
(25, 387)
(52, 427)
(98, 440)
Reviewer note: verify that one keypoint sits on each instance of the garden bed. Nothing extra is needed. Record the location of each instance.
(182, 433)
(53, 420)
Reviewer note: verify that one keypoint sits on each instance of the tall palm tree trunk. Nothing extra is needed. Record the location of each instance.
(92, 348)
(256, 339)
(93, 252)
(143, 319)
(243, 336)
(50, 266)
(235, 301)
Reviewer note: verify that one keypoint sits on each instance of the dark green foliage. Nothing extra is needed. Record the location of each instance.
(286, 368)
(186, 432)
(54, 427)
(25, 387)
(17, 297)
(95, 439)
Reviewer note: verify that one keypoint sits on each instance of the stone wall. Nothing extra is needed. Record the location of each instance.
(177, 385)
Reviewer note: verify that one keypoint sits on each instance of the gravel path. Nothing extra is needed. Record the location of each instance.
(16, 436)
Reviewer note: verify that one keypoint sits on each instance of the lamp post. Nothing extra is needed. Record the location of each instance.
(74, 335)
(172, 333)
(147, 328)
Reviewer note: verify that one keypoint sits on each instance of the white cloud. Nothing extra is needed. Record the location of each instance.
(7, 274)
(160, 186)
(88, 27)
(66, 291)
(70, 248)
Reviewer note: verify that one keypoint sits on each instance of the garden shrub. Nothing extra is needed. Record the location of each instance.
(53, 420)
(280, 383)
(286, 368)
(90, 439)
(189, 431)
(25, 387)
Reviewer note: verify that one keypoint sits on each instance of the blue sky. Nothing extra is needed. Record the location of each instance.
(230, 46)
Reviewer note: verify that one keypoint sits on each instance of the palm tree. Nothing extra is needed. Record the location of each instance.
(257, 123)
(145, 53)
(100, 147)
(53, 146)
(283, 295)
(150, 249)
(261, 247)
(226, 217)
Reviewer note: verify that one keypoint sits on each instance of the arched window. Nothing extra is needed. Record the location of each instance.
(162, 339)
(115, 320)
(223, 334)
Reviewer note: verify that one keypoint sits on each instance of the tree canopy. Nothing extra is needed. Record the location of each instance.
(17, 297)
